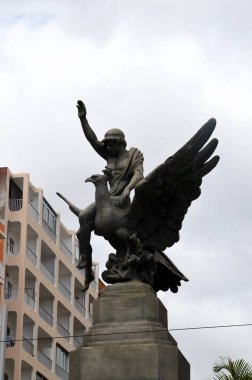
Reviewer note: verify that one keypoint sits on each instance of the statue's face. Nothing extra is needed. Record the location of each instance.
(113, 147)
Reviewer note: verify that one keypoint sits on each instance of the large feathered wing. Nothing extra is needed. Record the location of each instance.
(164, 196)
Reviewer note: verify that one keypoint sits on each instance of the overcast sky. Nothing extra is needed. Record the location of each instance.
(158, 70)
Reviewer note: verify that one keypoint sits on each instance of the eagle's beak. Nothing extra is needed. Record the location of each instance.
(89, 179)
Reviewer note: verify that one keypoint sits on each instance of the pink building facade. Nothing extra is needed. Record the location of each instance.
(43, 311)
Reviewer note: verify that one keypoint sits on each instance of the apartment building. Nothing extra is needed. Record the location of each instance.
(44, 312)
(2, 313)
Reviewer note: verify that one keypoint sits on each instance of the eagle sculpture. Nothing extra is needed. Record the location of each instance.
(143, 228)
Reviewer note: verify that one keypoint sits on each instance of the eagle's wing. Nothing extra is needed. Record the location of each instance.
(163, 197)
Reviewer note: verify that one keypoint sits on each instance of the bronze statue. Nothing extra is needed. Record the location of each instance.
(141, 229)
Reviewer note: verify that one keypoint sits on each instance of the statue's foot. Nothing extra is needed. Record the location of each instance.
(88, 280)
(112, 276)
(112, 260)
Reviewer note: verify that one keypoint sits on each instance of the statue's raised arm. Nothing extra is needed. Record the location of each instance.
(89, 133)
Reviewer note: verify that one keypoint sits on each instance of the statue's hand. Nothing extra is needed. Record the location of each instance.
(82, 112)
(123, 197)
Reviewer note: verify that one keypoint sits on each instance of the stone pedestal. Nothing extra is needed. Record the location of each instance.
(129, 339)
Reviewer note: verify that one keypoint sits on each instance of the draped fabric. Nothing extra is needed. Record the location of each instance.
(135, 163)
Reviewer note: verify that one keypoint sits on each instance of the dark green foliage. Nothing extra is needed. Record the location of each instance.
(228, 369)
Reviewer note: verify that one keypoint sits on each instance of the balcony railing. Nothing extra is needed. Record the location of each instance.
(61, 372)
(12, 249)
(90, 318)
(93, 285)
(30, 297)
(33, 212)
(50, 232)
(15, 204)
(63, 290)
(11, 294)
(80, 307)
(44, 359)
(66, 250)
(28, 346)
(10, 341)
(78, 340)
(46, 315)
(31, 255)
(63, 331)
(47, 273)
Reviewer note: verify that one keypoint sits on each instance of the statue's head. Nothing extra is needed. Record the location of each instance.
(114, 139)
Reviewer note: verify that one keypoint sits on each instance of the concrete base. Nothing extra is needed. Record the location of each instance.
(129, 339)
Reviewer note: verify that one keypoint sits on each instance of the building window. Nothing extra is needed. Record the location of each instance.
(62, 358)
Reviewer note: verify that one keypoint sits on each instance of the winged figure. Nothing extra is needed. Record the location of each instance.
(141, 229)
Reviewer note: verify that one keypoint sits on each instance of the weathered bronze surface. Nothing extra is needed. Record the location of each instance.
(141, 229)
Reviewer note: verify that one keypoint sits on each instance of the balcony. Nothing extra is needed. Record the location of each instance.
(10, 341)
(28, 346)
(13, 238)
(63, 290)
(77, 341)
(63, 321)
(90, 308)
(15, 204)
(29, 291)
(10, 294)
(93, 285)
(47, 262)
(49, 220)
(28, 331)
(46, 271)
(63, 331)
(66, 250)
(33, 212)
(80, 307)
(46, 315)
(8, 370)
(12, 249)
(30, 298)
(78, 333)
(31, 255)
(79, 297)
(26, 371)
(44, 359)
(90, 318)
(61, 372)
(50, 232)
